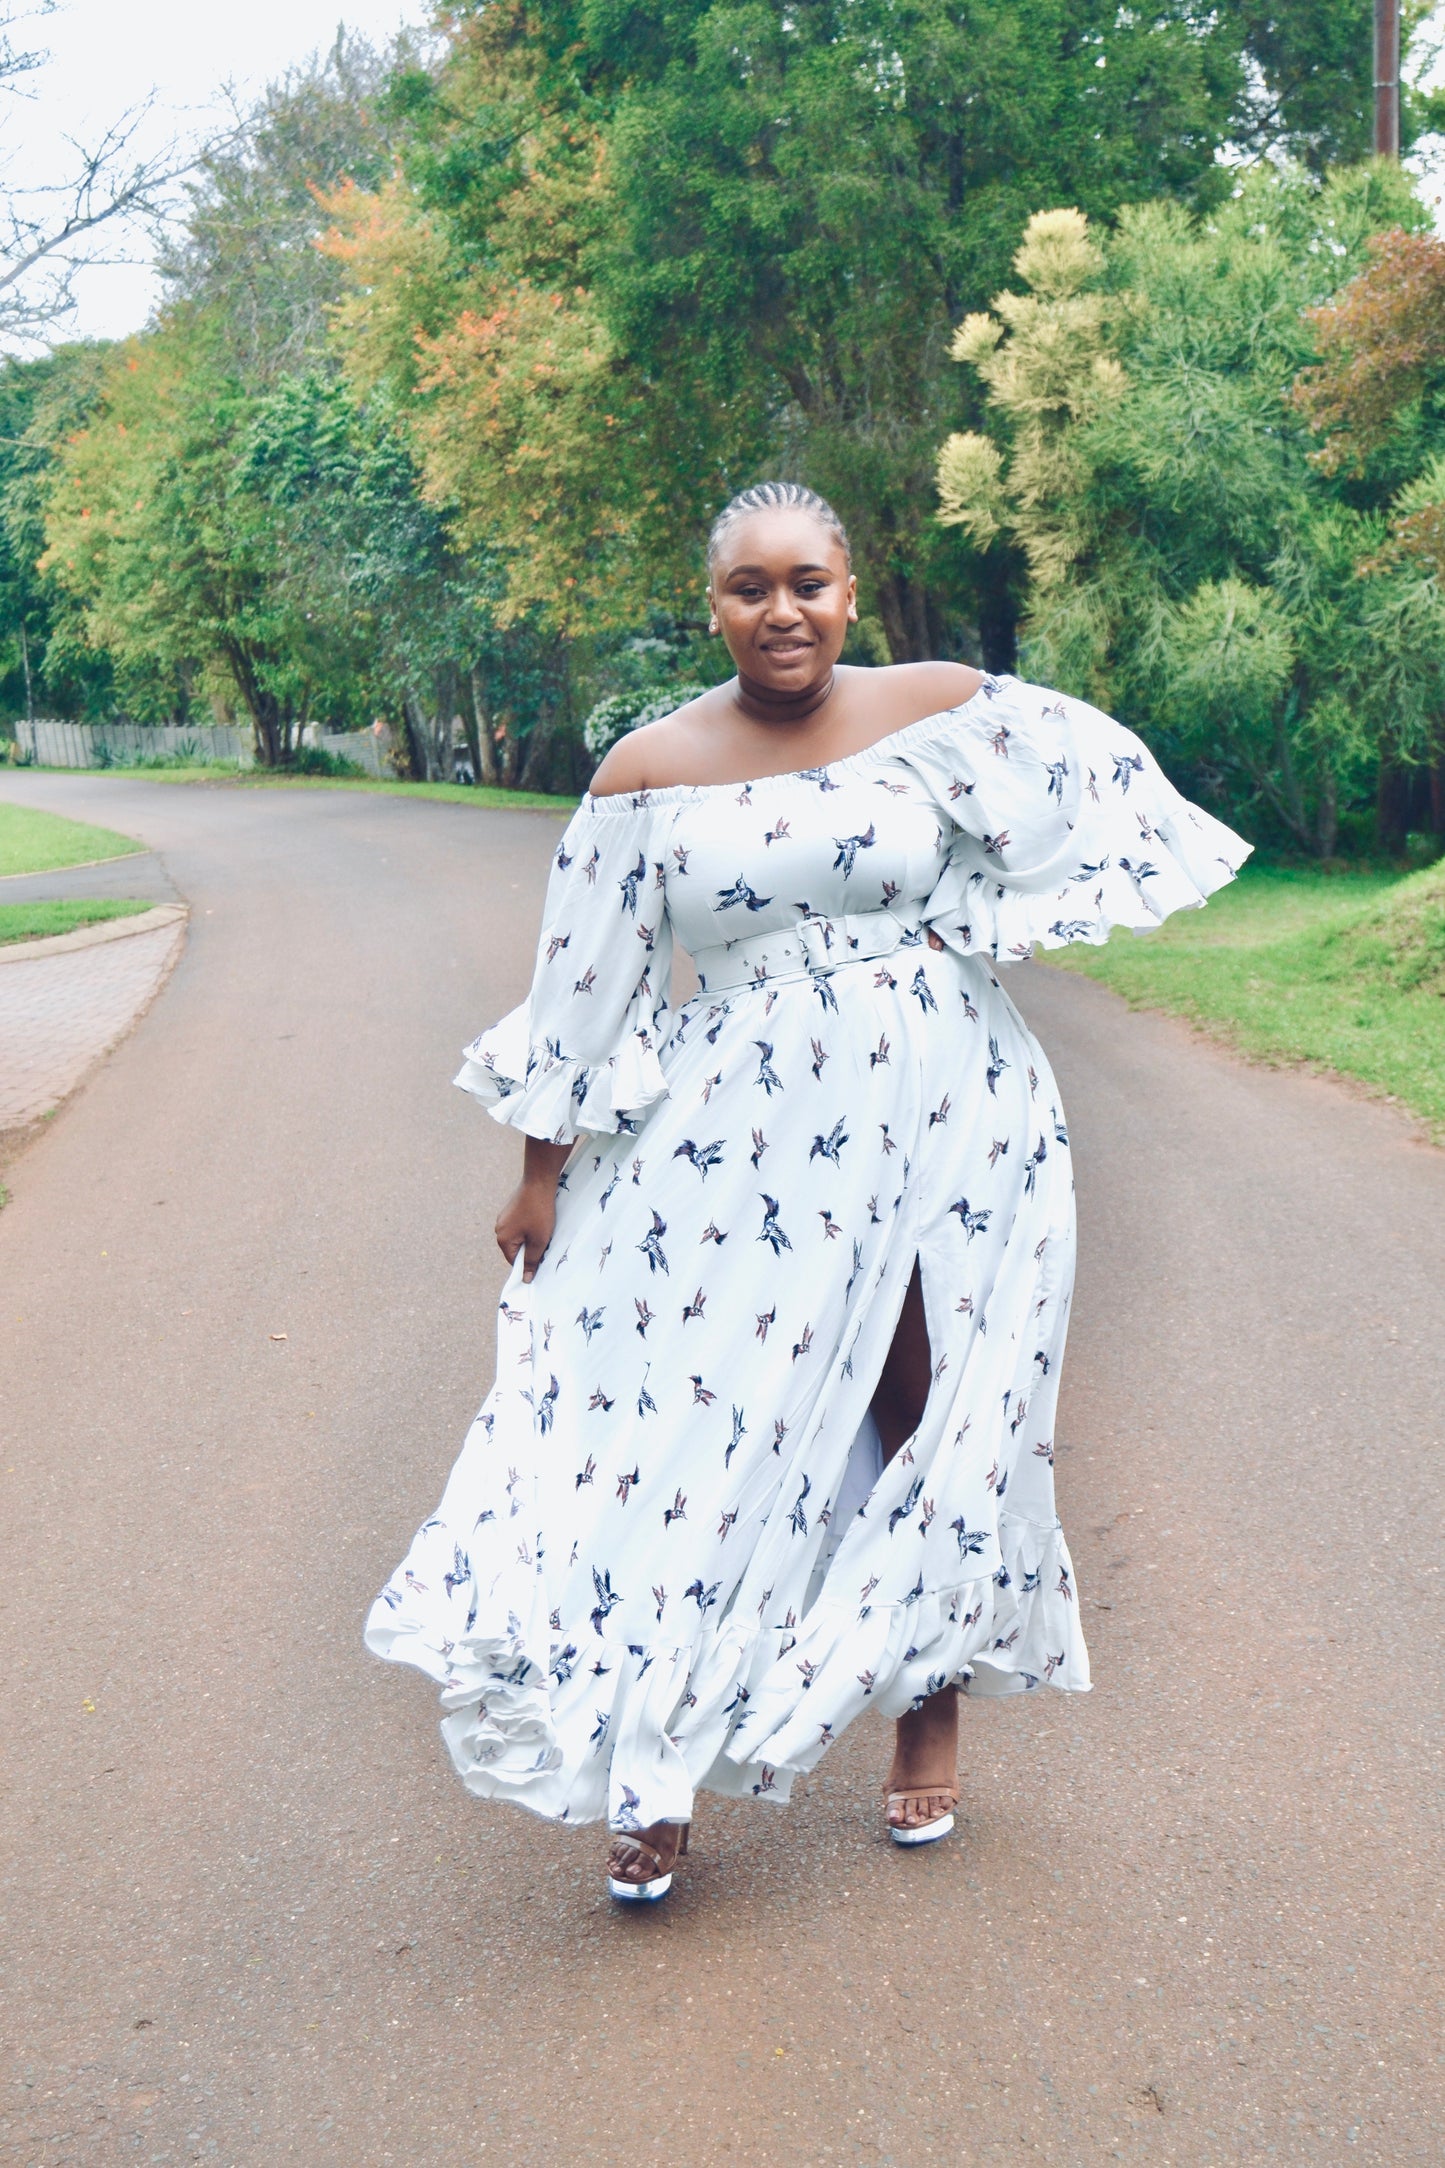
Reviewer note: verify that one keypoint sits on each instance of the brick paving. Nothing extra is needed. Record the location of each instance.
(60, 1013)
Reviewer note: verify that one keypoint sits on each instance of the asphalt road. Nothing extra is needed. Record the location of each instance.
(249, 1917)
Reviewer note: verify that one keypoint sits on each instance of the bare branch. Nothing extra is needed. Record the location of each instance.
(47, 233)
(101, 189)
(15, 60)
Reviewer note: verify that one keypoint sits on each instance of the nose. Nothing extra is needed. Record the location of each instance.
(783, 611)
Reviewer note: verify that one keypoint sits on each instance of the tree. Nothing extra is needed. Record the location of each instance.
(639, 254)
(360, 549)
(1377, 397)
(1309, 83)
(245, 251)
(234, 522)
(158, 538)
(1189, 564)
(153, 530)
(44, 668)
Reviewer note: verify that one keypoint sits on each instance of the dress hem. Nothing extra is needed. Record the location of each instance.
(726, 1713)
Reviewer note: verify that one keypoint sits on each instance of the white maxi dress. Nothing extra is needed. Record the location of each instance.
(669, 1556)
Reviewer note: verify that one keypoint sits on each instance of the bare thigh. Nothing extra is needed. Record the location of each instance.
(902, 1389)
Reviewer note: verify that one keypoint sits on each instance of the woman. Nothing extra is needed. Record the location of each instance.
(772, 1433)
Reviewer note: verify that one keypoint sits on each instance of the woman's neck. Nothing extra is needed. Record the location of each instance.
(762, 704)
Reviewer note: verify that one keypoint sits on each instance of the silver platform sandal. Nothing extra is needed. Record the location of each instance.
(629, 1852)
(922, 1832)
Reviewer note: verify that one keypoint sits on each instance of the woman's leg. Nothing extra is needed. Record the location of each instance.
(925, 1754)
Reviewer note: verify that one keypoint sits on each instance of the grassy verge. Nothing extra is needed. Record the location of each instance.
(36, 842)
(36, 921)
(268, 779)
(1345, 971)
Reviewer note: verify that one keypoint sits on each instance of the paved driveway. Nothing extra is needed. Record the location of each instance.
(249, 1916)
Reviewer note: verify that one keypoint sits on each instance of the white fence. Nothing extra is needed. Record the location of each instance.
(103, 745)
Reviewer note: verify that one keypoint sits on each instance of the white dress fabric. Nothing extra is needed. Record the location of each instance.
(668, 1555)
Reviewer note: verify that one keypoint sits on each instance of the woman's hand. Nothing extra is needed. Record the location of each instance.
(529, 1215)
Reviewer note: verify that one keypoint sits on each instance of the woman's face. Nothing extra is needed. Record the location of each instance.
(783, 598)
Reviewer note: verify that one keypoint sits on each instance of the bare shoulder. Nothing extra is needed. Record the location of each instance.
(656, 753)
(920, 689)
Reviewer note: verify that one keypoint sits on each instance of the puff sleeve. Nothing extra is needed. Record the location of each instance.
(1064, 826)
(581, 1053)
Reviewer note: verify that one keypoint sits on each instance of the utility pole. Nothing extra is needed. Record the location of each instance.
(1387, 78)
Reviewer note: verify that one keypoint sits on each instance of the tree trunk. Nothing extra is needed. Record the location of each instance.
(269, 723)
(479, 733)
(538, 753)
(998, 612)
(416, 738)
(1327, 819)
(269, 726)
(1392, 804)
(1289, 797)
(903, 608)
(1437, 788)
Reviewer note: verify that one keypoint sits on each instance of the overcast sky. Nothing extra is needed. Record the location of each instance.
(107, 55)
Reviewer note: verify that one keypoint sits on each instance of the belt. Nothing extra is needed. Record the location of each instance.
(813, 945)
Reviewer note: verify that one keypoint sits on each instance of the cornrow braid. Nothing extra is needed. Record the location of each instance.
(775, 497)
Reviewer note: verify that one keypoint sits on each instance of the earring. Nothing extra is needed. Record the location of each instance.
(713, 625)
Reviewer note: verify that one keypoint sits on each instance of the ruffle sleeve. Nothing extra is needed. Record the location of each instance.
(581, 1052)
(1065, 826)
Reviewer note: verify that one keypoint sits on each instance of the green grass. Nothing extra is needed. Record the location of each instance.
(36, 921)
(268, 779)
(1341, 970)
(36, 842)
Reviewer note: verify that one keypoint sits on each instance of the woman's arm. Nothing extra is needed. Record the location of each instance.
(529, 1215)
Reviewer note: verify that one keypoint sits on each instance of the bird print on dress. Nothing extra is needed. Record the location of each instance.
(716, 1442)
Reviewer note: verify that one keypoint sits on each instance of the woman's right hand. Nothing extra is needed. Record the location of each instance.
(525, 1223)
(529, 1215)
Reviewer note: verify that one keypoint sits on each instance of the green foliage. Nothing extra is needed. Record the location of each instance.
(640, 254)
(38, 921)
(233, 526)
(154, 532)
(1401, 941)
(184, 755)
(35, 842)
(446, 793)
(461, 348)
(1192, 566)
(613, 717)
(1295, 964)
(46, 666)
(246, 253)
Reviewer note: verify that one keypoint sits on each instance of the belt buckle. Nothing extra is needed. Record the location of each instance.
(816, 936)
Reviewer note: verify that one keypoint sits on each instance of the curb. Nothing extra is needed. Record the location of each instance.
(83, 865)
(84, 937)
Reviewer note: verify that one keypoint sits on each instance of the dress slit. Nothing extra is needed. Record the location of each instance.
(670, 1554)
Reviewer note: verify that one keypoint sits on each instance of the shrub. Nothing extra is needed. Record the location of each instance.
(613, 717)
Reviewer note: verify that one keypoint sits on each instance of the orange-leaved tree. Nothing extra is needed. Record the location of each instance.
(1377, 399)
(470, 296)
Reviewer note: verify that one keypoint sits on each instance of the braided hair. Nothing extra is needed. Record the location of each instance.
(775, 497)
